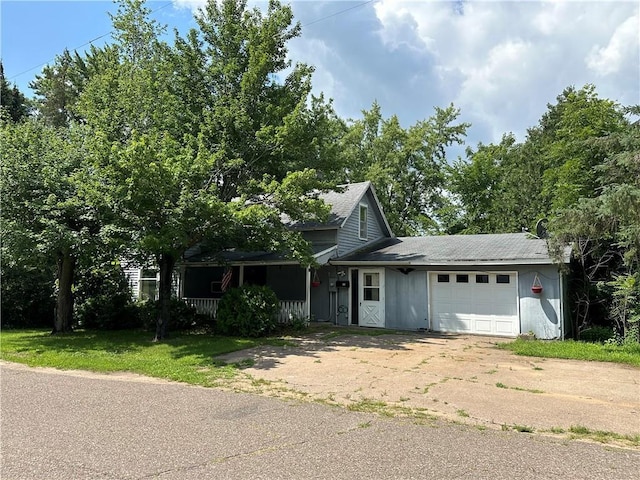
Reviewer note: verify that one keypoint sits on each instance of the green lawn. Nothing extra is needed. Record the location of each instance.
(186, 358)
(191, 358)
(629, 354)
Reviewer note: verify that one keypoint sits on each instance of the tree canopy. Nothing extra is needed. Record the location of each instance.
(405, 165)
(146, 147)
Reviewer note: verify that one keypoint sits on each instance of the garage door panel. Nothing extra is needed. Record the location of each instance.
(471, 307)
(505, 327)
(483, 326)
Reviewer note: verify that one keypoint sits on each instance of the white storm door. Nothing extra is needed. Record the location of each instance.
(371, 297)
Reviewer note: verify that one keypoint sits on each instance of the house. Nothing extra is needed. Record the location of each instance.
(480, 284)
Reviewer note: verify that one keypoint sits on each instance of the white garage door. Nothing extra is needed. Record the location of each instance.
(472, 302)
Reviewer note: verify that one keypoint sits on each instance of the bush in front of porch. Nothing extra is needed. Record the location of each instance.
(248, 311)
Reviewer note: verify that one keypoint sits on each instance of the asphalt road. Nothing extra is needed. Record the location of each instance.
(61, 426)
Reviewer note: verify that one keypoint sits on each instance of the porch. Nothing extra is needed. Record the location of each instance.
(289, 309)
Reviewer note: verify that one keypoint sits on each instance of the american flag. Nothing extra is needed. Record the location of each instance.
(226, 279)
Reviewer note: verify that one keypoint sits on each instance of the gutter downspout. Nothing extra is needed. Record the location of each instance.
(562, 319)
(307, 300)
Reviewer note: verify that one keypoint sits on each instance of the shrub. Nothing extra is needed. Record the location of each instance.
(294, 323)
(596, 334)
(183, 316)
(103, 299)
(27, 295)
(248, 311)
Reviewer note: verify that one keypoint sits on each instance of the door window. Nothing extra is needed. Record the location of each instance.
(371, 287)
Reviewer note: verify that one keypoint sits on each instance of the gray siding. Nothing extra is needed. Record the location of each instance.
(348, 236)
(322, 300)
(407, 299)
(321, 237)
(540, 313)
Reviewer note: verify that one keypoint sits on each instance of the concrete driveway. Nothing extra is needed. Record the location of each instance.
(462, 378)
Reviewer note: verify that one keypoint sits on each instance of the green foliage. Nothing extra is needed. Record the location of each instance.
(192, 144)
(59, 85)
(13, 104)
(248, 311)
(103, 299)
(508, 186)
(604, 230)
(478, 187)
(596, 334)
(628, 354)
(27, 294)
(624, 309)
(183, 317)
(406, 166)
(184, 358)
(46, 216)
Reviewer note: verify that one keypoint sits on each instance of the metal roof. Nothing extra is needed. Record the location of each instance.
(488, 249)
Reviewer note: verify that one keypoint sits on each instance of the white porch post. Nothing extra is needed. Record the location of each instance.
(181, 275)
(307, 303)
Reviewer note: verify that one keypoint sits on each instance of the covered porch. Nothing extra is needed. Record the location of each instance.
(289, 309)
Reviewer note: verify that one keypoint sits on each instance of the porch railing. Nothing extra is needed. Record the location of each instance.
(204, 306)
(289, 309)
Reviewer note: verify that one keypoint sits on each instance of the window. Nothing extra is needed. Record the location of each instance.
(443, 278)
(149, 284)
(371, 286)
(363, 221)
(503, 279)
(482, 278)
(462, 278)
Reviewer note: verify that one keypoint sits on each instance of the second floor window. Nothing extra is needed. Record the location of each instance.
(363, 221)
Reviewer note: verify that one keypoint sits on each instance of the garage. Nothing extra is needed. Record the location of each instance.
(474, 302)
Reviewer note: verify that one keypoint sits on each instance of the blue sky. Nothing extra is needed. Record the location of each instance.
(499, 62)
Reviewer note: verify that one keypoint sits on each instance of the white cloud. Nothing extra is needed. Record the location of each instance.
(502, 62)
(622, 49)
(193, 5)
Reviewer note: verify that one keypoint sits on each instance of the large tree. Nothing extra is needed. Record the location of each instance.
(605, 231)
(190, 142)
(44, 215)
(405, 165)
(12, 100)
(555, 166)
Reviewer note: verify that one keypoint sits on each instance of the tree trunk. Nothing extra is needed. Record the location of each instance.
(64, 303)
(166, 263)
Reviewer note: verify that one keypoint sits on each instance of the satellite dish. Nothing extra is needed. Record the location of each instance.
(541, 228)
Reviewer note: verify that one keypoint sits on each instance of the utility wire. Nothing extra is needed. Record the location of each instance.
(340, 12)
(80, 46)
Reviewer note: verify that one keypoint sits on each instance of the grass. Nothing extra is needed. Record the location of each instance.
(627, 354)
(579, 431)
(188, 358)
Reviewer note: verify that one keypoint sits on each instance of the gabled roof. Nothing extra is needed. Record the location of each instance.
(343, 204)
(489, 249)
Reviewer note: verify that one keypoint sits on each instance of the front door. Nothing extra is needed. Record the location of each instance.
(371, 293)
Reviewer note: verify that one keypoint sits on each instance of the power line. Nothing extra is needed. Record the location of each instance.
(80, 46)
(340, 12)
